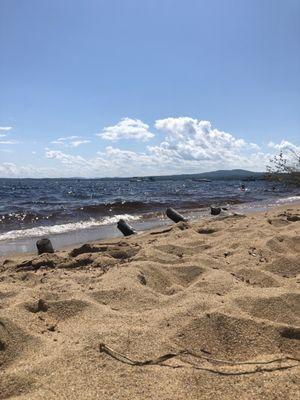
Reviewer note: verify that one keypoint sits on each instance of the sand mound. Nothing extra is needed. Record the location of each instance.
(229, 337)
(284, 308)
(257, 278)
(282, 244)
(285, 266)
(14, 385)
(13, 341)
(60, 310)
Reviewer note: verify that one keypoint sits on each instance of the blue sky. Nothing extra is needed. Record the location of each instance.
(137, 87)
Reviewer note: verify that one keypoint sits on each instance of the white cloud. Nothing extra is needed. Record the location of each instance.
(127, 128)
(11, 170)
(3, 134)
(65, 158)
(190, 139)
(254, 146)
(290, 152)
(70, 141)
(9, 142)
(189, 145)
(285, 145)
(77, 143)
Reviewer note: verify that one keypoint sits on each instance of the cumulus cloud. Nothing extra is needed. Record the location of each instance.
(5, 128)
(285, 145)
(196, 140)
(127, 128)
(189, 145)
(65, 158)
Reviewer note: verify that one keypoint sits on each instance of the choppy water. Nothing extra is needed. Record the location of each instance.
(30, 208)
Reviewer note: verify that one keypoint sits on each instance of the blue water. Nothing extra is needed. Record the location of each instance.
(31, 208)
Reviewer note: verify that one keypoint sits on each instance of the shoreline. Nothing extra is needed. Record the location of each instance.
(68, 239)
(69, 214)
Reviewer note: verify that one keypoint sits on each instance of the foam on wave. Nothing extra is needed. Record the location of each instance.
(63, 228)
(290, 199)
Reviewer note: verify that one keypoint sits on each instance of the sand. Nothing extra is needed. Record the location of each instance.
(224, 288)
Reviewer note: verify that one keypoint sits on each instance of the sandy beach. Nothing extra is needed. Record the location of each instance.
(205, 310)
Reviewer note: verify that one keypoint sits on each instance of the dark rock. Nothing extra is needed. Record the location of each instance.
(42, 306)
(126, 229)
(44, 246)
(87, 248)
(174, 215)
(293, 218)
(215, 210)
(206, 231)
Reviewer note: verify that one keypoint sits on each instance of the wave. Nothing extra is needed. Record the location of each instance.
(63, 228)
(37, 219)
(138, 206)
(120, 206)
(290, 199)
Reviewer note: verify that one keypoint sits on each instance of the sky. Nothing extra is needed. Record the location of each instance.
(98, 88)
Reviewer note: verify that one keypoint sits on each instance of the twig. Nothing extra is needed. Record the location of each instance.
(159, 361)
(280, 359)
(121, 357)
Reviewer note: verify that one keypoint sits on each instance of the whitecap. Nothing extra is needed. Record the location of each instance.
(63, 228)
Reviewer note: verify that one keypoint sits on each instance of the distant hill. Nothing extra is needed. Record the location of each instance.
(230, 174)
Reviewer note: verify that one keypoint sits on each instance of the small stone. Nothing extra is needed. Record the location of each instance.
(142, 279)
(52, 328)
(205, 351)
(42, 306)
